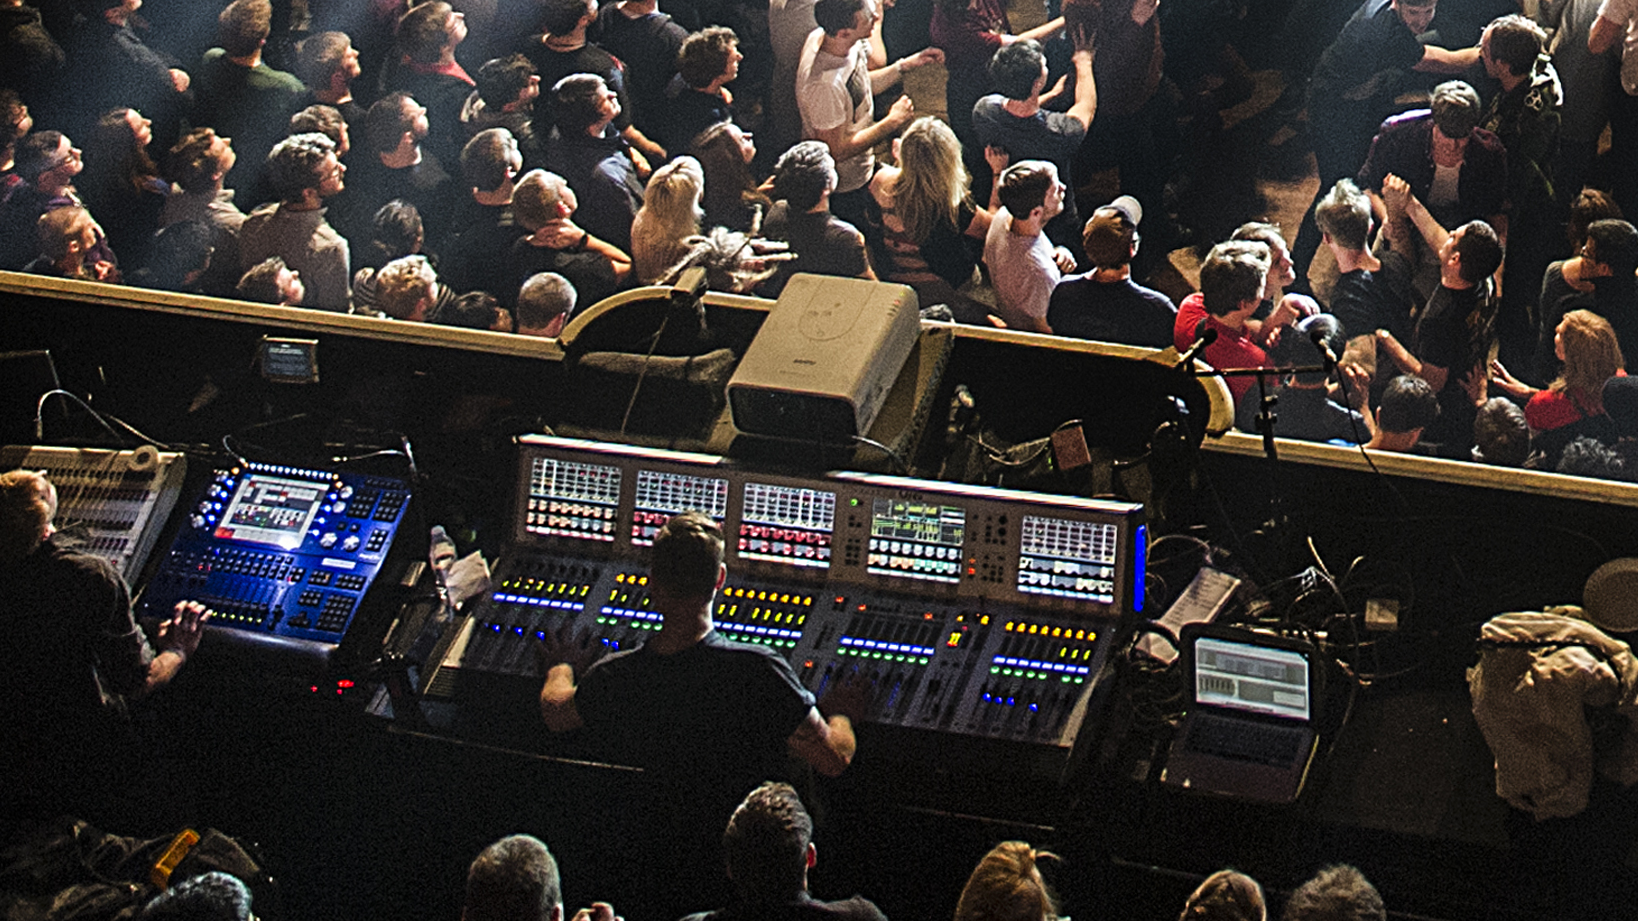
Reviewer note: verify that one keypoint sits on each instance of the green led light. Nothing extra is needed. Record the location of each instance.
(994, 670)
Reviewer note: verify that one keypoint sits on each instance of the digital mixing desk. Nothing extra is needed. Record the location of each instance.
(972, 612)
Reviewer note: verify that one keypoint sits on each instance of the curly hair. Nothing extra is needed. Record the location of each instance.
(1592, 355)
(292, 166)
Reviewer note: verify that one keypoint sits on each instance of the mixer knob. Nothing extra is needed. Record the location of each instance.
(345, 492)
(351, 543)
(198, 521)
(328, 539)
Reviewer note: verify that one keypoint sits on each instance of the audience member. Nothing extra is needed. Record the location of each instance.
(790, 26)
(477, 310)
(505, 98)
(1007, 886)
(1105, 304)
(1337, 891)
(931, 233)
(1523, 114)
(67, 247)
(183, 255)
(544, 205)
(327, 64)
(213, 896)
(475, 256)
(514, 879)
(1501, 436)
(197, 168)
(426, 70)
(646, 41)
(396, 230)
(1620, 399)
(1024, 265)
(272, 282)
(670, 214)
(545, 303)
(1281, 272)
(1457, 170)
(1587, 82)
(325, 120)
(1409, 405)
(17, 123)
(121, 183)
(804, 181)
(31, 61)
(1563, 277)
(970, 33)
(1306, 410)
(1356, 83)
(835, 89)
(1231, 289)
(733, 197)
(1226, 896)
(1451, 343)
(591, 155)
(1573, 404)
(1608, 261)
(407, 289)
(1014, 120)
(394, 164)
(1618, 22)
(562, 51)
(1587, 456)
(239, 95)
(304, 171)
(697, 96)
(111, 67)
(1365, 298)
(768, 847)
(48, 163)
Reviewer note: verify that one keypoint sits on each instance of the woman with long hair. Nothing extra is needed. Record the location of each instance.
(121, 183)
(1573, 404)
(931, 231)
(1007, 886)
(670, 214)
(732, 193)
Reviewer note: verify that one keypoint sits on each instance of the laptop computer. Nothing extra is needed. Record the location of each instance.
(1249, 730)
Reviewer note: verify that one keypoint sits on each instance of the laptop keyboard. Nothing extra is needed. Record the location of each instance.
(1245, 741)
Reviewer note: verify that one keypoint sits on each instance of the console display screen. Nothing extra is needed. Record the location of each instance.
(662, 495)
(1068, 559)
(569, 499)
(787, 524)
(271, 510)
(916, 540)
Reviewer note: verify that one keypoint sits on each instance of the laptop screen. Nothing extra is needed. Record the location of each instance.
(1251, 678)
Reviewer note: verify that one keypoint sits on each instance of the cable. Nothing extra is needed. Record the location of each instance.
(643, 374)
(102, 420)
(904, 468)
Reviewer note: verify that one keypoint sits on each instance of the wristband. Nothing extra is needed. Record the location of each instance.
(580, 245)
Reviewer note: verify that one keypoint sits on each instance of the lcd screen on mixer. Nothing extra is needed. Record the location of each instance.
(568, 499)
(271, 510)
(662, 495)
(916, 540)
(1068, 559)
(787, 524)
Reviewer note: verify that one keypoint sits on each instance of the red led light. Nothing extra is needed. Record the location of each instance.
(344, 683)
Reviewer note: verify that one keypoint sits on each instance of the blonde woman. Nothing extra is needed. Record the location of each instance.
(932, 233)
(1007, 886)
(670, 214)
(1573, 404)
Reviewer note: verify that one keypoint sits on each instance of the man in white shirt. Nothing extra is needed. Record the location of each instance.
(834, 88)
(1618, 22)
(1024, 265)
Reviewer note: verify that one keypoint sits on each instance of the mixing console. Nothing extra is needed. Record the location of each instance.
(122, 498)
(968, 611)
(283, 553)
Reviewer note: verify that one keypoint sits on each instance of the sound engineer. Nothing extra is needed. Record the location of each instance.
(76, 658)
(707, 718)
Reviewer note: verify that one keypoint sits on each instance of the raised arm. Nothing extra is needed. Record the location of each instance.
(1086, 89)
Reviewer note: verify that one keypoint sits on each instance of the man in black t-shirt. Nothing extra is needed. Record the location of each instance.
(1364, 299)
(704, 716)
(822, 243)
(1105, 304)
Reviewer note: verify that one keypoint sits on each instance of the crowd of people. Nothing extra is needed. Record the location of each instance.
(1466, 294)
(769, 848)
